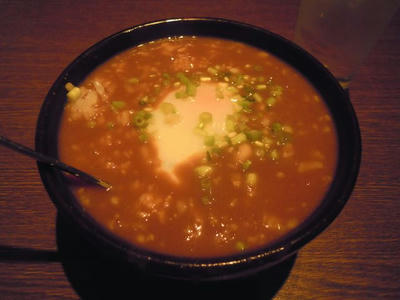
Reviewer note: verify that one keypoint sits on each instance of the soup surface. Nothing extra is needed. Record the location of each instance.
(212, 147)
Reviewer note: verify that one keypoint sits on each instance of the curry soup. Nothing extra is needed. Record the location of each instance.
(212, 147)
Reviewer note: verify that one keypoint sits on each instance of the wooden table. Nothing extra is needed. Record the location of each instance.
(357, 257)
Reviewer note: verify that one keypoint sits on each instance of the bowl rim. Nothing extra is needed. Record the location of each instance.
(349, 141)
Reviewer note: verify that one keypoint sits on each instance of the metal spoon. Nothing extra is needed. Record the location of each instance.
(53, 162)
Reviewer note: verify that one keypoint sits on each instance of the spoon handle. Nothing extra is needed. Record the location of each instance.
(40, 157)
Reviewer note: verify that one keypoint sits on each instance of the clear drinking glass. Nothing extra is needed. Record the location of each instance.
(340, 33)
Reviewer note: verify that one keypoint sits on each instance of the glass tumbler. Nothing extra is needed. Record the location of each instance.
(340, 33)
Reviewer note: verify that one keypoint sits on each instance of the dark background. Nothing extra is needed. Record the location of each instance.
(357, 257)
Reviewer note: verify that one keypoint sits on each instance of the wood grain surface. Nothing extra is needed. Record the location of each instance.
(357, 257)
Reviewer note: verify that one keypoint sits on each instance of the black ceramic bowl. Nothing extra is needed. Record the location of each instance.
(205, 268)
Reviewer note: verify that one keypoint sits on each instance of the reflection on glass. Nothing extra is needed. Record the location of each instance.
(340, 33)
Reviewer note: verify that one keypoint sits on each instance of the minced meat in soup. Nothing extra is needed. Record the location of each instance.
(212, 147)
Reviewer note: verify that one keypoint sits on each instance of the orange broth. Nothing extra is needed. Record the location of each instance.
(254, 178)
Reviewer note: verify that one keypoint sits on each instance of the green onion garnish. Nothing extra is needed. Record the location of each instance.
(117, 105)
(276, 127)
(203, 171)
(141, 119)
(274, 154)
(254, 135)
(205, 117)
(209, 141)
(271, 101)
(167, 108)
(246, 165)
(276, 90)
(238, 139)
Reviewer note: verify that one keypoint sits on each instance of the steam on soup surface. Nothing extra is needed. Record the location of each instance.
(212, 147)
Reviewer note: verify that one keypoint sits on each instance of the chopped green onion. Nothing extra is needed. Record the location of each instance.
(209, 141)
(191, 90)
(246, 105)
(254, 135)
(218, 147)
(144, 100)
(276, 90)
(271, 101)
(248, 92)
(205, 117)
(257, 97)
(143, 137)
(246, 165)
(190, 87)
(276, 127)
(238, 139)
(274, 154)
(280, 133)
(242, 125)
(141, 119)
(203, 171)
(230, 124)
(237, 79)
(181, 94)
(182, 78)
(227, 140)
(167, 108)
(116, 105)
(208, 156)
